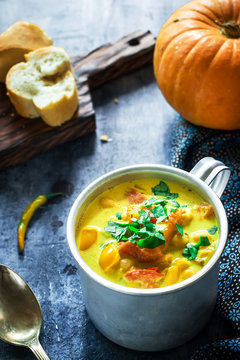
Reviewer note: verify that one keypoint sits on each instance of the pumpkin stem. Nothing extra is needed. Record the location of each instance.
(230, 29)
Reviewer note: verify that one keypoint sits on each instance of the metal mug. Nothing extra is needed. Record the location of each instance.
(153, 319)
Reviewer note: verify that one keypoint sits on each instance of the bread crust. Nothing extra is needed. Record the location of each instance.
(57, 90)
(17, 40)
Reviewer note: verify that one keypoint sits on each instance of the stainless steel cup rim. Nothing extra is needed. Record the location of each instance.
(142, 168)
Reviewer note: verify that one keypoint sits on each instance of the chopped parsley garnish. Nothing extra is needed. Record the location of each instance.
(159, 212)
(179, 229)
(141, 231)
(212, 230)
(191, 250)
(162, 189)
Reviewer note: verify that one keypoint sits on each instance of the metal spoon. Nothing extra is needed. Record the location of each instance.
(20, 313)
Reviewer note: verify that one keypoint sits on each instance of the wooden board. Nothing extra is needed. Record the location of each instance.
(21, 138)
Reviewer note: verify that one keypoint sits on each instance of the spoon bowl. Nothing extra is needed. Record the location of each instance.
(20, 313)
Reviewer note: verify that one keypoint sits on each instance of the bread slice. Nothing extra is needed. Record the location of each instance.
(17, 40)
(44, 86)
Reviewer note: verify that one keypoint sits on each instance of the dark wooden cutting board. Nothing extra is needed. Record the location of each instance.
(21, 138)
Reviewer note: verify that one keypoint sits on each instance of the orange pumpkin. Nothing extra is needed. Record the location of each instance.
(197, 62)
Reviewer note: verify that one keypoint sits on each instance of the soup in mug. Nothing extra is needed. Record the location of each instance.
(147, 233)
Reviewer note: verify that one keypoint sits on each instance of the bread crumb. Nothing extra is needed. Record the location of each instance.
(116, 100)
(105, 138)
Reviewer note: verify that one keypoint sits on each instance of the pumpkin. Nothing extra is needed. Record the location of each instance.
(197, 63)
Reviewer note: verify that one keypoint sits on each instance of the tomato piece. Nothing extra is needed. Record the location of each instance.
(153, 220)
(140, 253)
(135, 197)
(146, 278)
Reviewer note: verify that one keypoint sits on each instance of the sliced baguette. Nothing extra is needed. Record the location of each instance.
(17, 40)
(44, 86)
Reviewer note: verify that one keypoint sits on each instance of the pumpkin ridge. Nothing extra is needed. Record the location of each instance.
(217, 53)
(181, 69)
(212, 20)
(211, 64)
(169, 43)
(232, 11)
(220, 9)
(181, 33)
(236, 48)
(215, 15)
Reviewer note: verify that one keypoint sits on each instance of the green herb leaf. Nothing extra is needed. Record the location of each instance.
(152, 241)
(117, 230)
(119, 216)
(172, 196)
(133, 228)
(203, 241)
(179, 229)
(154, 201)
(174, 203)
(159, 213)
(144, 217)
(213, 230)
(191, 250)
(162, 189)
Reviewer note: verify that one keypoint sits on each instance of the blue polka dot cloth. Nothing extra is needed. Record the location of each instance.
(190, 144)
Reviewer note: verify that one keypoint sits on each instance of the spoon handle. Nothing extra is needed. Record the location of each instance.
(38, 351)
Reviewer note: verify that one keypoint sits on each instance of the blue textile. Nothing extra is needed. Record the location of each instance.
(190, 144)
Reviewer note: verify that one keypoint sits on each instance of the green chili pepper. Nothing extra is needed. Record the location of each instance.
(27, 215)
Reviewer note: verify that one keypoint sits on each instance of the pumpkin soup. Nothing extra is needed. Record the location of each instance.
(147, 233)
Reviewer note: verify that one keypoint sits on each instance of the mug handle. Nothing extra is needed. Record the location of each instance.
(213, 172)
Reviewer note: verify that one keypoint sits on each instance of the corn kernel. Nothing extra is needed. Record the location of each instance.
(109, 257)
